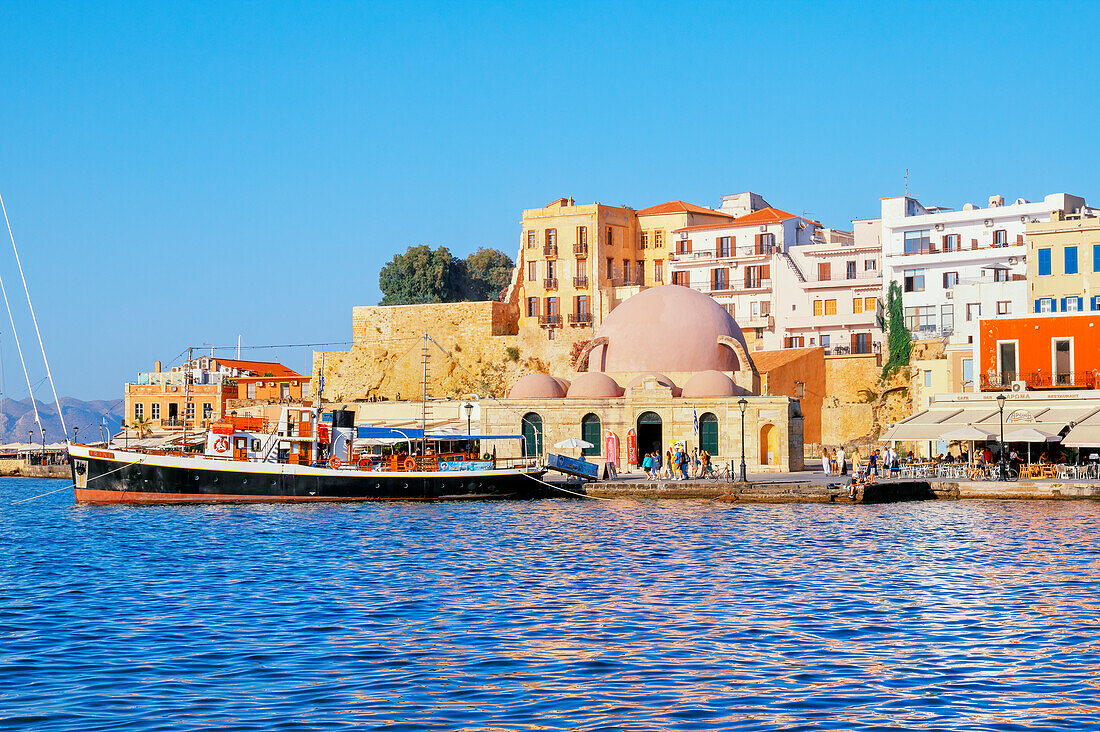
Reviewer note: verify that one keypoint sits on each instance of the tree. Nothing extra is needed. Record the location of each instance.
(143, 425)
(423, 274)
(487, 274)
(898, 342)
(420, 275)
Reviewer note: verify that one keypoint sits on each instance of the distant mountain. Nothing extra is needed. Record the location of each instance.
(17, 417)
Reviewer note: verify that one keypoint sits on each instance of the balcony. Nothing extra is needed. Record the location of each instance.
(1040, 380)
(758, 283)
(581, 249)
(691, 256)
(580, 283)
(580, 319)
(550, 250)
(550, 320)
(550, 283)
(760, 321)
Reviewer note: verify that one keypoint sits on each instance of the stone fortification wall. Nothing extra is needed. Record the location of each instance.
(487, 352)
(859, 405)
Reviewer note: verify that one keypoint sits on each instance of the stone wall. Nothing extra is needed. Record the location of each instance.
(483, 352)
(859, 406)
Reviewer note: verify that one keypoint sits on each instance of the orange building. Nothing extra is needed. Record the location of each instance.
(194, 395)
(1040, 352)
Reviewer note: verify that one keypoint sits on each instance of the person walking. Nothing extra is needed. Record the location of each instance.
(857, 463)
(826, 465)
(667, 471)
(685, 463)
(695, 462)
(647, 465)
(840, 466)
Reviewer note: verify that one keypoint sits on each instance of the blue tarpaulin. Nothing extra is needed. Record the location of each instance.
(389, 433)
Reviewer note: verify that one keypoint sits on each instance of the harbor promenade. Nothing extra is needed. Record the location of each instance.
(815, 487)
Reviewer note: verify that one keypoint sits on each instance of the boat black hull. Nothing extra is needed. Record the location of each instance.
(111, 480)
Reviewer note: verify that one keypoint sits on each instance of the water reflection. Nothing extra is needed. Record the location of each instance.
(549, 615)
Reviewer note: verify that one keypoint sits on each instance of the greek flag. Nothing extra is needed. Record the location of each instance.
(695, 419)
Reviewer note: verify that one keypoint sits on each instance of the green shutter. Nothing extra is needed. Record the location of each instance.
(708, 433)
(590, 432)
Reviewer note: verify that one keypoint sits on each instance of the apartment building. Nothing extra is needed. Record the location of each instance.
(577, 262)
(929, 250)
(194, 394)
(1064, 263)
(787, 281)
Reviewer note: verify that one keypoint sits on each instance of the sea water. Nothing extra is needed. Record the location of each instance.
(555, 614)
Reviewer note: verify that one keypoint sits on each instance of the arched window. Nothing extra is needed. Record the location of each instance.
(532, 435)
(708, 433)
(590, 432)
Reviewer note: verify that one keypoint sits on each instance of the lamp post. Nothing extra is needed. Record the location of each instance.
(743, 403)
(469, 430)
(1001, 400)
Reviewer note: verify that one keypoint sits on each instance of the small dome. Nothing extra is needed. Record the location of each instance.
(661, 379)
(710, 384)
(564, 384)
(536, 386)
(594, 385)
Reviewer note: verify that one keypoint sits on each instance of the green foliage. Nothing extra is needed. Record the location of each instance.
(420, 275)
(487, 274)
(423, 275)
(898, 342)
(513, 353)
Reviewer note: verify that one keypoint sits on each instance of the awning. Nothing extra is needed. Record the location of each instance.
(933, 423)
(1086, 434)
(928, 424)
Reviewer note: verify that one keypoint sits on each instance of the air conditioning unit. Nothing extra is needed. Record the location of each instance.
(1012, 260)
(1018, 387)
(949, 294)
(989, 223)
(1023, 219)
(939, 227)
(763, 227)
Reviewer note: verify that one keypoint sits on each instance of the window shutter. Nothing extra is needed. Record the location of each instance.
(765, 272)
(1063, 304)
(1038, 305)
(1080, 303)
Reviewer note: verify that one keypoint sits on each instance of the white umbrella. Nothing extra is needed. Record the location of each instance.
(968, 433)
(1030, 435)
(574, 442)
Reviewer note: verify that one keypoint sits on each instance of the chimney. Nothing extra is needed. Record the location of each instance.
(156, 367)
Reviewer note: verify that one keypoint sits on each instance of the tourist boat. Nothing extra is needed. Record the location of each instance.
(298, 458)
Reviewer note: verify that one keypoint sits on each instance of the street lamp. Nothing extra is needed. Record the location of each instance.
(1001, 400)
(469, 431)
(743, 403)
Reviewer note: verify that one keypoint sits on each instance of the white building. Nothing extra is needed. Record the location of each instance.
(788, 282)
(928, 251)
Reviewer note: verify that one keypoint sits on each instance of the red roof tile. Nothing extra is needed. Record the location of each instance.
(260, 368)
(680, 207)
(769, 215)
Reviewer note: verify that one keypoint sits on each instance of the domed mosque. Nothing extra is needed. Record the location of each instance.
(668, 365)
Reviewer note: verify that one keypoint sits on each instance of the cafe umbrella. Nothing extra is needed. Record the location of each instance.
(1030, 435)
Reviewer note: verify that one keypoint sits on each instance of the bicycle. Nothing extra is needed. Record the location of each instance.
(723, 474)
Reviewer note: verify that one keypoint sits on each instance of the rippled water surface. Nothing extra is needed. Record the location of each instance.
(560, 614)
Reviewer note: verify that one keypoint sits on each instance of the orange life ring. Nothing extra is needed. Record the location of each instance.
(334, 462)
(410, 464)
(365, 464)
(221, 445)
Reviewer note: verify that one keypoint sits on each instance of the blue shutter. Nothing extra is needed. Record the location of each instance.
(1044, 261)
(1064, 304)
(1038, 306)
(1080, 304)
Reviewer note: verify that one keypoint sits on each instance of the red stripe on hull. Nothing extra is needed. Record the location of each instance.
(88, 495)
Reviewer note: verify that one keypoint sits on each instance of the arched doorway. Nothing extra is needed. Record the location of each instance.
(769, 445)
(650, 437)
(591, 432)
(708, 433)
(532, 435)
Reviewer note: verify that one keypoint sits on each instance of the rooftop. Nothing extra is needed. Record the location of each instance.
(681, 207)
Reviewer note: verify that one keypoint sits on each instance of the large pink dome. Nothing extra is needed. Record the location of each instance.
(594, 386)
(709, 384)
(667, 329)
(536, 386)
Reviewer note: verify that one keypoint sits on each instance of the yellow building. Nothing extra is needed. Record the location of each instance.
(1063, 264)
(576, 263)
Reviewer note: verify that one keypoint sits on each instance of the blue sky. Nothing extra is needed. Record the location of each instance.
(177, 174)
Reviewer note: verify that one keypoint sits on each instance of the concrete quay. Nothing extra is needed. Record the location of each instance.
(808, 487)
